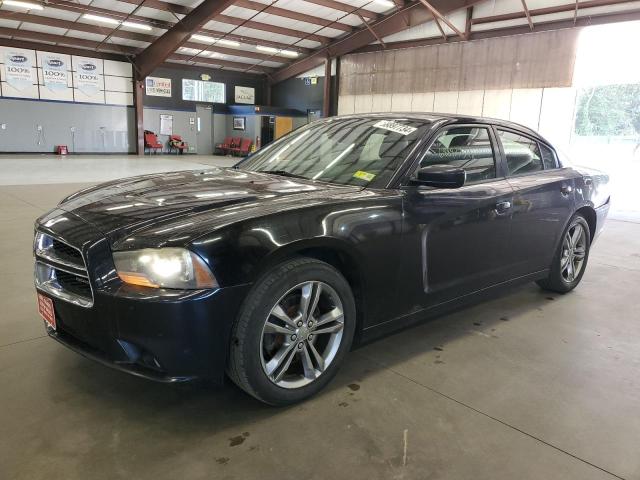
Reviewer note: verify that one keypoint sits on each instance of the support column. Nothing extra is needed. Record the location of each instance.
(326, 99)
(138, 95)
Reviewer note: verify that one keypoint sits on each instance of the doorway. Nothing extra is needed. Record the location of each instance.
(204, 129)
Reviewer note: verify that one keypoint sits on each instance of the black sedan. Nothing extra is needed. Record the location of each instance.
(341, 231)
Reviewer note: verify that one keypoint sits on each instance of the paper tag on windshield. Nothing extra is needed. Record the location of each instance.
(395, 127)
(364, 175)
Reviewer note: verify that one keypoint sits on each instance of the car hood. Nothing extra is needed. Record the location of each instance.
(176, 207)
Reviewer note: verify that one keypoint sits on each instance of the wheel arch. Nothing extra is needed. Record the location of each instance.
(337, 253)
(589, 214)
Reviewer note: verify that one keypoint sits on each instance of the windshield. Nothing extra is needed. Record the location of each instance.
(349, 151)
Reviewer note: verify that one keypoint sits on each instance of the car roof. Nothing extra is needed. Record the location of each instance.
(449, 118)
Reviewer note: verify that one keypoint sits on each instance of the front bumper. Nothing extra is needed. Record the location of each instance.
(159, 335)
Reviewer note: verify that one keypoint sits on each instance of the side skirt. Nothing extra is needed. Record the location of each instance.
(400, 323)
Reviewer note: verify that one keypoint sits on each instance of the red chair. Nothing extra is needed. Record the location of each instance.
(224, 146)
(176, 143)
(151, 141)
(245, 146)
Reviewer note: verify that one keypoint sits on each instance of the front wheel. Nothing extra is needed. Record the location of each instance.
(292, 333)
(570, 261)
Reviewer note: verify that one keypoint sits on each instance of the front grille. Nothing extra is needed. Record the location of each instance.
(60, 270)
(67, 252)
(73, 283)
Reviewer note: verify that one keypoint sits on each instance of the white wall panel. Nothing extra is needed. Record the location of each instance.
(497, 104)
(119, 69)
(82, 97)
(118, 84)
(556, 115)
(381, 102)
(363, 104)
(401, 102)
(422, 102)
(61, 95)
(470, 102)
(445, 102)
(525, 106)
(346, 104)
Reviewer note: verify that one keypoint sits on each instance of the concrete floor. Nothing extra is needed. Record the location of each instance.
(529, 386)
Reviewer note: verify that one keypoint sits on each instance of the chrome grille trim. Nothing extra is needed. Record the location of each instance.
(49, 261)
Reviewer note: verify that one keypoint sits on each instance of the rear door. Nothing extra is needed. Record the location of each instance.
(456, 238)
(543, 200)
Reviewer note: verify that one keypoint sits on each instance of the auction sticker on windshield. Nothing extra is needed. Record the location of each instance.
(364, 175)
(395, 127)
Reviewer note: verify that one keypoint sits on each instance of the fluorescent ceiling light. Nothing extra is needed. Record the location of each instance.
(139, 26)
(212, 40)
(27, 5)
(229, 43)
(386, 3)
(288, 53)
(97, 18)
(203, 38)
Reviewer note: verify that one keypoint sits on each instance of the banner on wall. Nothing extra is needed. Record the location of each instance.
(19, 72)
(87, 77)
(54, 72)
(245, 95)
(158, 87)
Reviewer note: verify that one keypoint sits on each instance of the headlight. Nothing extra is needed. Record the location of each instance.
(164, 268)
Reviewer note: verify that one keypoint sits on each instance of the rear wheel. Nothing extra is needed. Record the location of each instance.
(571, 258)
(293, 331)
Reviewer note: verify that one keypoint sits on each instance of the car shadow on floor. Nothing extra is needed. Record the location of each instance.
(202, 408)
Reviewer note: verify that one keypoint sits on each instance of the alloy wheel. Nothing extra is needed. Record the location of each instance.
(302, 334)
(574, 250)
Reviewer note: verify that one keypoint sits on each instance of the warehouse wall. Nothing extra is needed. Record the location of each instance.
(526, 79)
(84, 128)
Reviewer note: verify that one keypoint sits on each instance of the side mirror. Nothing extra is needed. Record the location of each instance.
(440, 176)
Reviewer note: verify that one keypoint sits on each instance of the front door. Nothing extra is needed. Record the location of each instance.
(204, 129)
(456, 238)
(543, 200)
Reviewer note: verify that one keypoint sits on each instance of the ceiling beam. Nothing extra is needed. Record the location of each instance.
(438, 17)
(5, 42)
(161, 49)
(81, 9)
(395, 21)
(601, 19)
(373, 32)
(282, 12)
(267, 27)
(526, 12)
(215, 61)
(548, 10)
(343, 7)
(68, 41)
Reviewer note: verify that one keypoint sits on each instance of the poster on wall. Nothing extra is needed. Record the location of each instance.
(54, 72)
(158, 87)
(239, 123)
(19, 72)
(88, 79)
(245, 95)
(166, 124)
(199, 91)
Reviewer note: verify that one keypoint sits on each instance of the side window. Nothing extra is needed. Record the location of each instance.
(523, 154)
(464, 147)
(548, 157)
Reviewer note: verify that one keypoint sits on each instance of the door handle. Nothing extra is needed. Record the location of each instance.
(566, 190)
(502, 207)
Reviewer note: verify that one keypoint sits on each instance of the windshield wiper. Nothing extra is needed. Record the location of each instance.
(282, 173)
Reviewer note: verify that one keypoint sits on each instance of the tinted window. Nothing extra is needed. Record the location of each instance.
(464, 147)
(523, 154)
(548, 157)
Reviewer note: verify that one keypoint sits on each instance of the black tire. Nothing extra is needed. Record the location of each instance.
(245, 355)
(556, 281)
